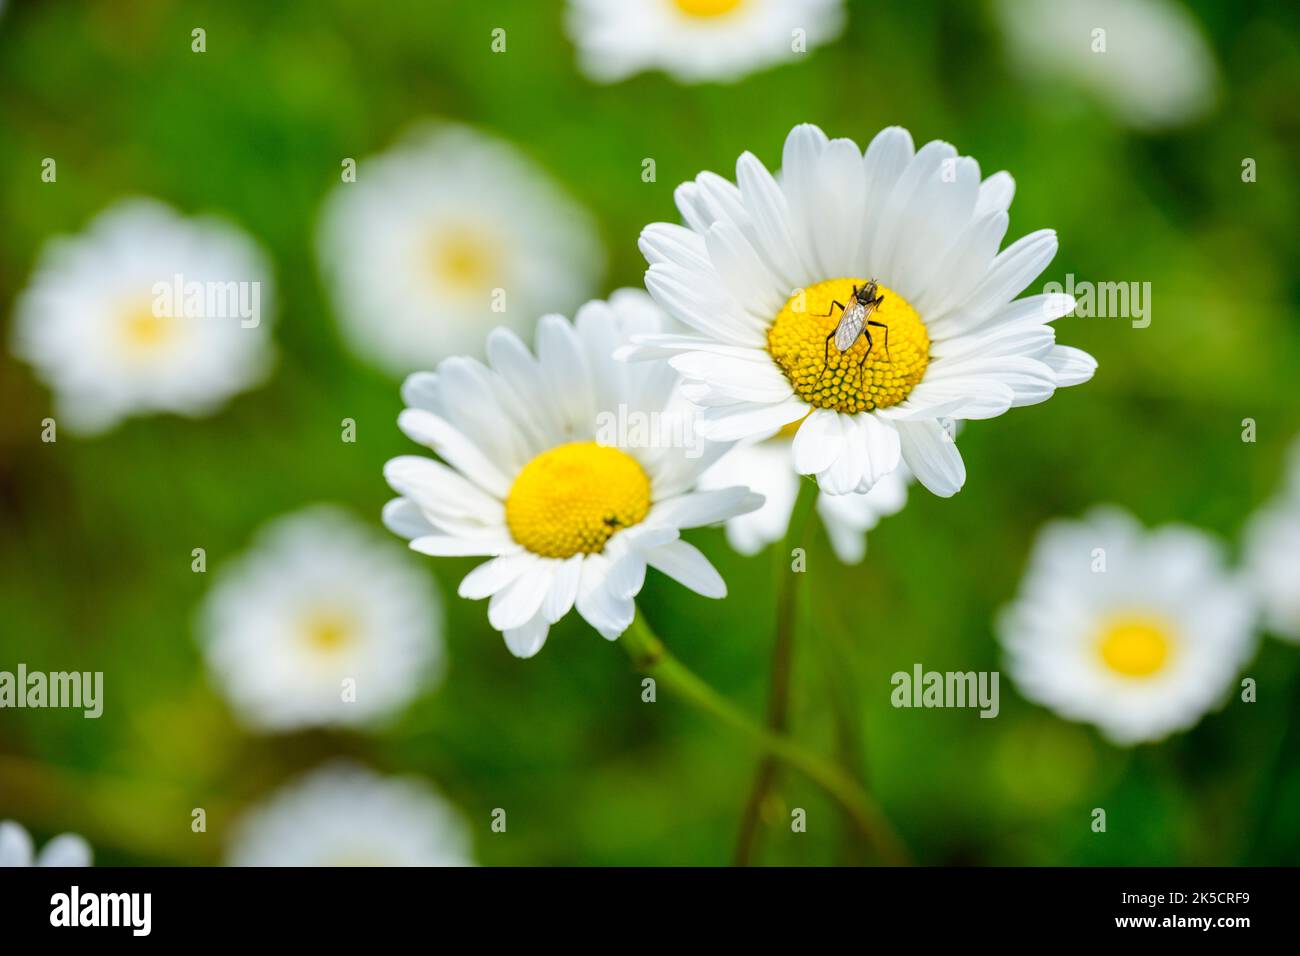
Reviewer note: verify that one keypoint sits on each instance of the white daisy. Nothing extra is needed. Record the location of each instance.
(103, 326)
(759, 269)
(17, 849)
(323, 622)
(697, 40)
(571, 515)
(765, 466)
(342, 814)
(1272, 555)
(1139, 632)
(445, 236)
(1147, 60)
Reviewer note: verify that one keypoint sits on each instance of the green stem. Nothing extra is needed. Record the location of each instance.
(787, 589)
(650, 655)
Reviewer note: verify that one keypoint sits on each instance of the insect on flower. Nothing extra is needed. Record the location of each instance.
(855, 320)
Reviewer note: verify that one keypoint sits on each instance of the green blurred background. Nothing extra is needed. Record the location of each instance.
(96, 535)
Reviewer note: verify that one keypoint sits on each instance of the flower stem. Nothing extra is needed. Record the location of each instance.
(787, 606)
(650, 655)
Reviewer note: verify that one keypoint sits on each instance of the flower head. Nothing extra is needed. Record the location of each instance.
(570, 509)
(17, 849)
(1139, 632)
(697, 40)
(146, 312)
(448, 234)
(342, 814)
(765, 271)
(323, 622)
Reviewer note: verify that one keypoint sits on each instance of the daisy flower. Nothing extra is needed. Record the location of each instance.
(146, 311)
(342, 814)
(765, 467)
(1139, 632)
(697, 40)
(1272, 555)
(1156, 70)
(323, 622)
(16, 848)
(763, 270)
(570, 511)
(445, 236)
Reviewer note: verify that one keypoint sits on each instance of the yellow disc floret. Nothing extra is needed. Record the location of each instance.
(1134, 646)
(705, 9)
(574, 497)
(857, 380)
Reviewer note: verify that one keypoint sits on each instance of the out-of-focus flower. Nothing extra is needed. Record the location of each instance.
(765, 467)
(445, 236)
(764, 272)
(1147, 60)
(342, 814)
(146, 311)
(322, 622)
(16, 848)
(1139, 632)
(1272, 555)
(572, 471)
(697, 40)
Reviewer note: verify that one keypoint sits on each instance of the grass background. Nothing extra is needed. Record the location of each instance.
(96, 535)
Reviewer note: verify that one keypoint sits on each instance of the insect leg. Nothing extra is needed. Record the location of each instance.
(866, 333)
(826, 359)
(882, 325)
(823, 315)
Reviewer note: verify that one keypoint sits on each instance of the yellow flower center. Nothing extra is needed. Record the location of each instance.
(573, 498)
(142, 331)
(328, 631)
(464, 259)
(706, 8)
(863, 377)
(1135, 646)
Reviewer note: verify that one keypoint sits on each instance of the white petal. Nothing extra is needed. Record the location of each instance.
(527, 640)
(67, 849)
(932, 457)
(1071, 366)
(491, 576)
(685, 564)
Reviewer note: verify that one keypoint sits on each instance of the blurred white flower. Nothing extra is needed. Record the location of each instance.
(766, 270)
(448, 234)
(1272, 555)
(765, 467)
(322, 622)
(16, 848)
(342, 814)
(103, 327)
(1139, 632)
(697, 40)
(1155, 70)
(570, 512)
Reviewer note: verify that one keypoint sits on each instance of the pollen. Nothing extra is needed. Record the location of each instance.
(144, 331)
(863, 378)
(1135, 646)
(705, 9)
(573, 498)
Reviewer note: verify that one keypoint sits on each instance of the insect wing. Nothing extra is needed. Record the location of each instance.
(850, 327)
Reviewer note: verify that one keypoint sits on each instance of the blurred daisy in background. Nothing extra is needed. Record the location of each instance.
(103, 327)
(342, 814)
(1154, 71)
(760, 272)
(570, 511)
(445, 236)
(1272, 555)
(1138, 632)
(697, 40)
(765, 467)
(322, 622)
(17, 849)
